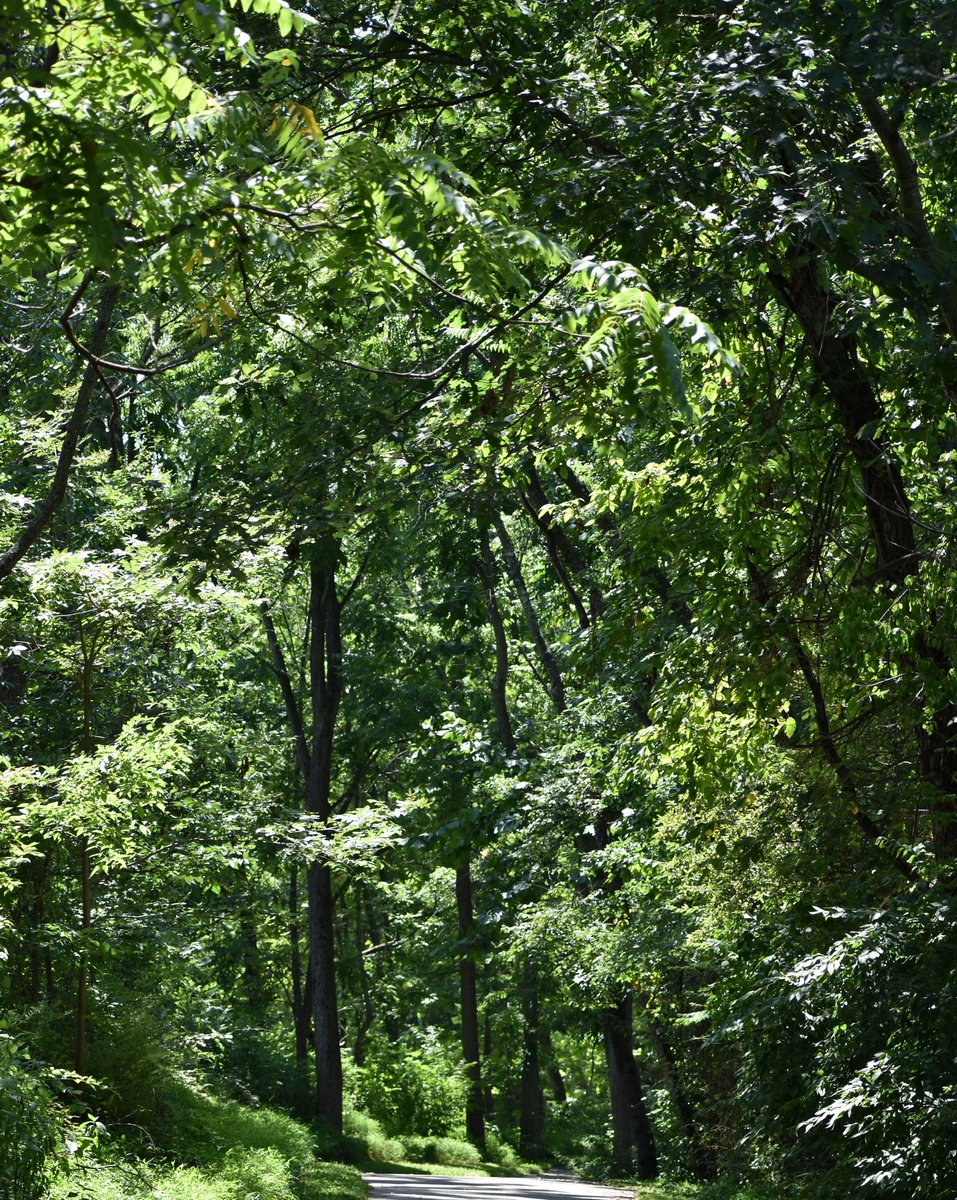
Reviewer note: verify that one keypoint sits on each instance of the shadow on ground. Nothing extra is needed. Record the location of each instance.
(384, 1185)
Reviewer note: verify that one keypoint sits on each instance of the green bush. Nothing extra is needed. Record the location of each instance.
(259, 1172)
(362, 1130)
(200, 1128)
(413, 1087)
(189, 1183)
(849, 1052)
(449, 1151)
(28, 1129)
(261, 1066)
(132, 1068)
(501, 1153)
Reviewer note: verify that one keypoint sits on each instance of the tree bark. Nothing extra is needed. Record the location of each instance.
(532, 1111)
(556, 688)
(855, 398)
(857, 403)
(912, 207)
(317, 1003)
(325, 676)
(633, 1139)
(565, 557)
(500, 678)
(474, 1113)
(301, 1007)
(44, 512)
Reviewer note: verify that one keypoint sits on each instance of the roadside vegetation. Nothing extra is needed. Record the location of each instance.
(478, 595)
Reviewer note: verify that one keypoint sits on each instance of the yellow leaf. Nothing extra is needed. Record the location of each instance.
(309, 120)
(225, 307)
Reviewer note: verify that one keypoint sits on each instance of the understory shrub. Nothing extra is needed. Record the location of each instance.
(501, 1153)
(29, 1130)
(414, 1087)
(220, 1149)
(364, 1133)
(451, 1151)
(849, 1052)
(201, 1128)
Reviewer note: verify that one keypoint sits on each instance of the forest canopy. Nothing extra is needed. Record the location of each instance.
(477, 591)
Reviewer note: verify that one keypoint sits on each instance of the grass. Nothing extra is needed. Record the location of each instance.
(723, 1189)
(486, 1169)
(208, 1148)
(204, 1147)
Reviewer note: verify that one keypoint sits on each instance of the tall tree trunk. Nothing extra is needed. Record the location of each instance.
(474, 1113)
(325, 676)
(556, 687)
(86, 883)
(500, 678)
(858, 405)
(563, 554)
(838, 366)
(314, 749)
(301, 1006)
(532, 1110)
(325, 1008)
(633, 1139)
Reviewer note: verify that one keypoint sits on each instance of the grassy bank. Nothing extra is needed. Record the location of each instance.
(723, 1189)
(203, 1147)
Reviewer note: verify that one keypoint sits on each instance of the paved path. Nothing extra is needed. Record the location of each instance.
(453, 1187)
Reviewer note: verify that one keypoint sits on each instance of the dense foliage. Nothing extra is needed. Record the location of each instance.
(478, 576)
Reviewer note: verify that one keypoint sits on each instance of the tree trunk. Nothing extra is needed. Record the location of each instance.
(86, 885)
(858, 405)
(500, 679)
(45, 511)
(552, 1069)
(563, 554)
(301, 1006)
(82, 986)
(474, 1114)
(556, 686)
(314, 750)
(633, 1139)
(532, 1112)
(325, 658)
(325, 1009)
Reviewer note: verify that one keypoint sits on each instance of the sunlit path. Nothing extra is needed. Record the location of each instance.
(452, 1187)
